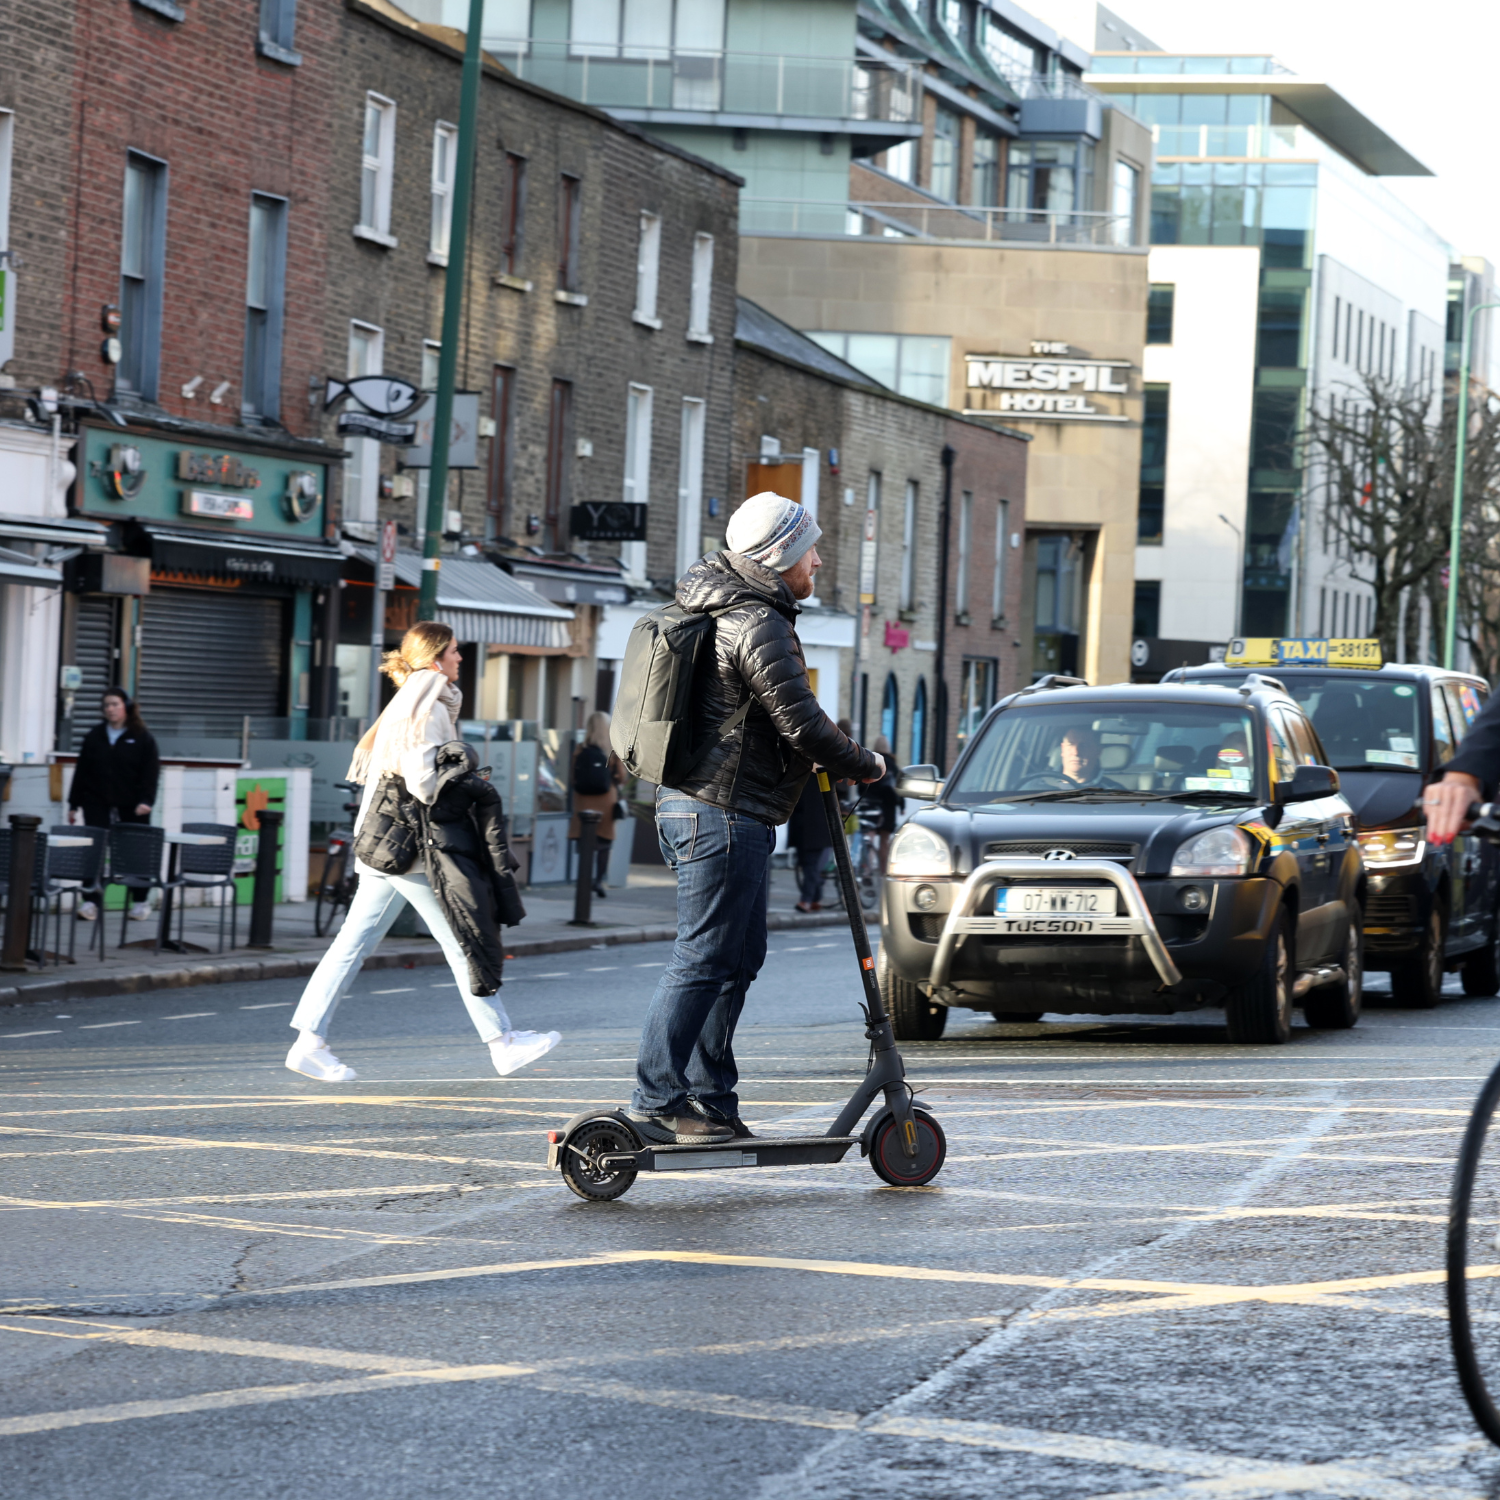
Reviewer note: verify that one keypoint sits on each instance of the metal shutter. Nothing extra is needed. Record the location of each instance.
(207, 660)
(94, 654)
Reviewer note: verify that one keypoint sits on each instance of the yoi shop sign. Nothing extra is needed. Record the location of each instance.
(1051, 384)
(202, 484)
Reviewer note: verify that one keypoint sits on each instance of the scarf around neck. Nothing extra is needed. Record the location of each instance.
(402, 726)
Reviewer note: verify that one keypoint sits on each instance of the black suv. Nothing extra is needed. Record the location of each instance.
(1123, 850)
(1388, 732)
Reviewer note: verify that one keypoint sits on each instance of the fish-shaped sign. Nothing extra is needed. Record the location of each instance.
(384, 395)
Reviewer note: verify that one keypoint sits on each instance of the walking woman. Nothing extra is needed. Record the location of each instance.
(597, 779)
(115, 781)
(404, 742)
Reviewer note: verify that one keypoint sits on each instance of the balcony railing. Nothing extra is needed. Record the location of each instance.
(1254, 141)
(628, 76)
(932, 221)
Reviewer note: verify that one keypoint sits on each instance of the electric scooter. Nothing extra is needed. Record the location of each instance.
(600, 1153)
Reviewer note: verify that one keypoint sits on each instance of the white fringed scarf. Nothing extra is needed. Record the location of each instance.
(402, 726)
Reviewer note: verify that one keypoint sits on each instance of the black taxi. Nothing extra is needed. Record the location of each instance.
(1388, 730)
(1128, 850)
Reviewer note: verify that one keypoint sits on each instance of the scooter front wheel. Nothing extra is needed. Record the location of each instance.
(891, 1162)
(584, 1168)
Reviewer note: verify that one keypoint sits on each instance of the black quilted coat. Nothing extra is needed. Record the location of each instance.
(760, 767)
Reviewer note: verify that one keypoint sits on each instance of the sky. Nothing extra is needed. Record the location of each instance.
(1424, 74)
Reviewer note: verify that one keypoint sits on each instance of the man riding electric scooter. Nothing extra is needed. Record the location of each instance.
(752, 707)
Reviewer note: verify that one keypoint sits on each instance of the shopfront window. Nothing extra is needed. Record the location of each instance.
(1059, 560)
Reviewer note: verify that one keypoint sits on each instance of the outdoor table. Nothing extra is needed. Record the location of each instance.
(174, 872)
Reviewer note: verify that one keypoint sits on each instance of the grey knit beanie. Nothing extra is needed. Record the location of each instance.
(772, 530)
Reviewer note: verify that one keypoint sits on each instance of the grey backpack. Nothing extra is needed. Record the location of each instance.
(652, 727)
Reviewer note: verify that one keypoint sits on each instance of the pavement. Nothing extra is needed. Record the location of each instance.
(644, 911)
(1155, 1266)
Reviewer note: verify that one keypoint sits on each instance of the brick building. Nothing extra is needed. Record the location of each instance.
(598, 336)
(871, 462)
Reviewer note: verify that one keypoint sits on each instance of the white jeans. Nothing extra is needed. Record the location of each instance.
(376, 905)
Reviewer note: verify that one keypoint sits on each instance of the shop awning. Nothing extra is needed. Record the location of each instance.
(485, 605)
(16, 567)
(257, 559)
(61, 531)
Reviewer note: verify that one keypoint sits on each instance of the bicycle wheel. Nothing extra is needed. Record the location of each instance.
(1474, 1261)
(869, 876)
(333, 897)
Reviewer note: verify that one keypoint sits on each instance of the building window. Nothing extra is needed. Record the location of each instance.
(901, 161)
(647, 270)
(690, 485)
(944, 177)
(142, 271)
(1125, 191)
(914, 365)
(984, 184)
(512, 213)
(1008, 54)
(1279, 328)
(976, 694)
(362, 472)
(637, 485)
(890, 709)
(952, 13)
(1147, 618)
(265, 305)
(1049, 177)
(1151, 516)
(502, 410)
(909, 549)
(997, 587)
(918, 723)
(701, 295)
(559, 461)
(569, 228)
(1058, 559)
(965, 546)
(278, 31)
(377, 170)
(1160, 305)
(645, 30)
(444, 170)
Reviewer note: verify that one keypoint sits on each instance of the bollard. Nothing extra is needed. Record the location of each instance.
(583, 896)
(23, 827)
(263, 897)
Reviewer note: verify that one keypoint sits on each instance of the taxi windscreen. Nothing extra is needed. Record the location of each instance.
(1365, 724)
(1144, 748)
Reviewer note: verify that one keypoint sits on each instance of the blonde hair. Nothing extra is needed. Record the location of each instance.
(420, 647)
(596, 731)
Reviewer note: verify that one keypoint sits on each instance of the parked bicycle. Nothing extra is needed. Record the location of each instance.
(339, 882)
(867, 870)
(1474, 1235)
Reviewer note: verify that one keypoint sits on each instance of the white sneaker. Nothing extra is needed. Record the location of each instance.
(310, 1057)
(141, 912)
(517, 1048)
(87, 912)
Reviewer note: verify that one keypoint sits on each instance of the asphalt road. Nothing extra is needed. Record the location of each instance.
(1155, 1264)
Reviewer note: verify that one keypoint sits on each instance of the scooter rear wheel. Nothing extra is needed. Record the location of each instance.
(582, 1167)
(894, 1166)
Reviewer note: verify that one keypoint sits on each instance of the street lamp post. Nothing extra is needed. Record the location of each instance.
(1455, 535)
(453, 304)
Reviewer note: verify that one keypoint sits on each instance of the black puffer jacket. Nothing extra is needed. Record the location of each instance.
(758, 768)
(124, 774)
(467, 858)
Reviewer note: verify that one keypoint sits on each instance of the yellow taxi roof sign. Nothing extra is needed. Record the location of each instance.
(1302, 651)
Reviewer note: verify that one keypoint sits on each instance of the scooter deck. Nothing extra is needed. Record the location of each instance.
(756, 1151)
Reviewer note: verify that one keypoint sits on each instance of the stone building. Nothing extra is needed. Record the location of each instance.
(598, 341)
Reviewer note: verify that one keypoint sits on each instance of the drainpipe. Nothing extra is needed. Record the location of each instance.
(940, 717)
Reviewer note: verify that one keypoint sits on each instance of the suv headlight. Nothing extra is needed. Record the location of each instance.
(918, 851)
(1220, 851)
(1392, 846)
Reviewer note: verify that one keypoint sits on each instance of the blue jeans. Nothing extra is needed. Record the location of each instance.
(723, 861)
(376, 905)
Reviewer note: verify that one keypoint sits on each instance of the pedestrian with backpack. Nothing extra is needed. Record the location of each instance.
(716, 707)
(597, 779)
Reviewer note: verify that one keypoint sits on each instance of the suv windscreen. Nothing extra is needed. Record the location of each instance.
(1149, 748)
(1366, 724)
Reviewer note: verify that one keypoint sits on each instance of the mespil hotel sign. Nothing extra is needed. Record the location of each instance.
(1052, 384)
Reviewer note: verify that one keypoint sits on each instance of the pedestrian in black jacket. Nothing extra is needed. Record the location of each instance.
(115, 781)
(717, 826)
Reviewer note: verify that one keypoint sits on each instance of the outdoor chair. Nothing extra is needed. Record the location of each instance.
(134, 860)
(208, 867)
(75, 871)
(38, 883)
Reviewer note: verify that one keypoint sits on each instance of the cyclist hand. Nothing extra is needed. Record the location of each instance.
(1446, 805)
(880, 764)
